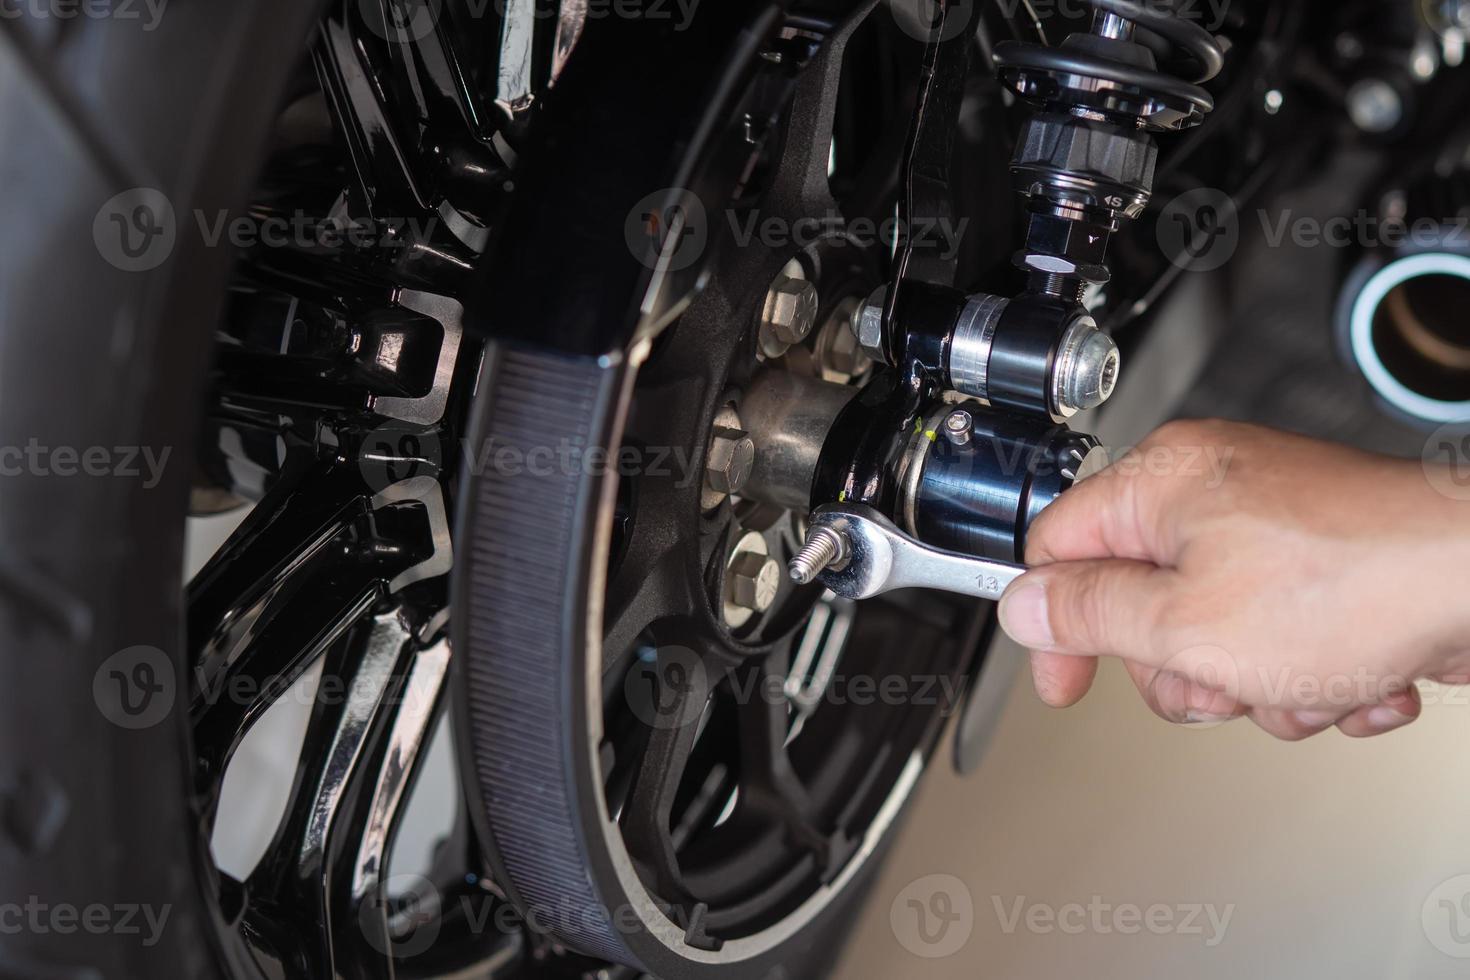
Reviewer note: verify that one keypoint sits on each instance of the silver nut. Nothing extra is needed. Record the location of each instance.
(845, 356)
(754, 581)
(1056, 265)
(1087, 368)
(825, 548)
(868, 325)
(838, 353)
(790, 313)
(731, 457)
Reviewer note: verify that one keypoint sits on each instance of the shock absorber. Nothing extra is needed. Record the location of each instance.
(970, 477)
(1085, 159)
(1085, 163)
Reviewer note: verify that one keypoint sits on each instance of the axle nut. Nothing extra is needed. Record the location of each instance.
(1087, 368)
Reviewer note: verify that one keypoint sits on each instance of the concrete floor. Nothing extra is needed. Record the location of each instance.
(1325, 855)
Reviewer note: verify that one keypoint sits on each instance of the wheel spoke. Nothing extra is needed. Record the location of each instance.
(678, 695)
(655, 590)
(307, 565)
(385, 94)
(769, 784)
(327, 861)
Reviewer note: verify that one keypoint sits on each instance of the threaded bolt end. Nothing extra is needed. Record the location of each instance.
(824, 548)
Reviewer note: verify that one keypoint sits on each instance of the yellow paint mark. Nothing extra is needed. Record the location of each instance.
(933, 436)
(842, 496)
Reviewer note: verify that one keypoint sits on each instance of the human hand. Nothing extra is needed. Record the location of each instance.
(1241, 571)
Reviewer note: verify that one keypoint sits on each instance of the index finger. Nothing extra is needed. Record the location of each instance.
(1101, 517)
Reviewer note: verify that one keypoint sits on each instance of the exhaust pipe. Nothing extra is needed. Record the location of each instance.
(1406, 325)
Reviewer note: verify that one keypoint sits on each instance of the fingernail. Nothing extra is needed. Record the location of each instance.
(1385, 719)
(1024, 618)
(1316, 719)
(1193, 717)
(1045, 685)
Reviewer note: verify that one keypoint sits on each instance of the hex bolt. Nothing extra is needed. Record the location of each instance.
(754, 581)
(731, 457)
(789, 315)
(868, 325)
(837, 349)
(824, 549)
(958, 427)
(845, 356)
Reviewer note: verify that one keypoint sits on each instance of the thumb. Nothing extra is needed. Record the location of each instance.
(1089, 608)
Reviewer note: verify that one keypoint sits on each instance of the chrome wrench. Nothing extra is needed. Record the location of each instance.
(858, 553)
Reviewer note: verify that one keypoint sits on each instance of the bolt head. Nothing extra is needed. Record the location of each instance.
(958, 426)
(731, 458)
(868, 325)
(754, 581)
(791, 311)
(845, 356)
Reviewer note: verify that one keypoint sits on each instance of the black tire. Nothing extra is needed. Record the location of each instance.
(94, 356)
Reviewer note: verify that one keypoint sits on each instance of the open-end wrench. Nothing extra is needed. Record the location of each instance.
(858, 553)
